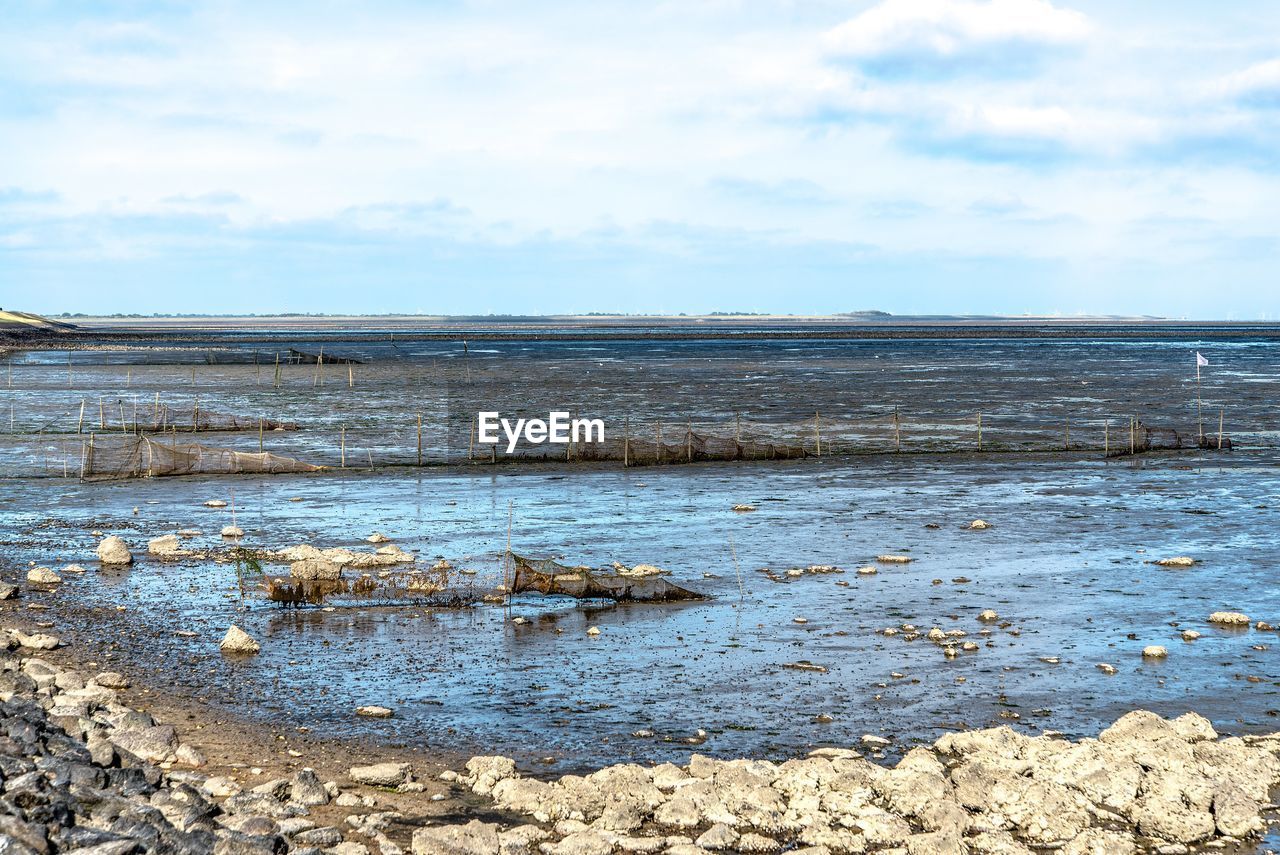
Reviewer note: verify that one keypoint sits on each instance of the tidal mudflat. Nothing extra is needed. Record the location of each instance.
(799, 647)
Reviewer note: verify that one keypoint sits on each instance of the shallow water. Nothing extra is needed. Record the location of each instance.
(1066, 565)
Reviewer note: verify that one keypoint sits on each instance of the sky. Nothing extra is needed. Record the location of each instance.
(909, 156)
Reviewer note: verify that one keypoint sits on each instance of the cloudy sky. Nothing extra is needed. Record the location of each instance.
(763, 155)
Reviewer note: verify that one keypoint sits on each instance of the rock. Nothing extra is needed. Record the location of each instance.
(718, 836)
(1229, 619)
(988, 615)
(593, 630)
(377, 537)
(220, 787)
(742, 508)
(1177, 561)
(232, 531)
(894, 559)
(113, 550)
(152, 744)
(238, 641)
(1106, 669)
(166, 547)
(8, 591)
(215, 503)
(306, 789)
(387, 775)
(1190, 635)
(374, 712)
(111, 680)
(312, 569)
(43, 576)
(74, 568)
(979, 525)
(37, 641)
(1154, 651)
(474, 838)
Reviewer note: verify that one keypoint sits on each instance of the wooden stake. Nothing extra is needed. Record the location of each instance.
(737, 427)
(1220, 417)
(343, 446)
(102, 416)
(260, 448)
(277, 378)
(626, 442)
(688, 443)
(124, 427)
(80, 424)
(419, 439)
(318, 380)
(351, 377)
(1133, 434)
(817, 434)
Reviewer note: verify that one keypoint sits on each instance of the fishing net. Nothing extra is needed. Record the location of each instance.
(1143, 438)
(157, 417)
(142, 457)
(545, 576)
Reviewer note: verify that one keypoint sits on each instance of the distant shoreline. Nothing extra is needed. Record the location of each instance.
(103, 333)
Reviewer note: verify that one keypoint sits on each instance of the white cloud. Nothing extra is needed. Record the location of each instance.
(1258, 84)
(899, 34)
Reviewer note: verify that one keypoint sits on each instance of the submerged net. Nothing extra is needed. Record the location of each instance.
(1144, 438)
(142, 457)
(545, 576)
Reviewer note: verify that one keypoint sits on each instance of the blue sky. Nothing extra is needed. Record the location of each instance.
(913, 156)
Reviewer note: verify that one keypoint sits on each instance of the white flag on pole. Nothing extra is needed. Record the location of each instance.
(1201, 362)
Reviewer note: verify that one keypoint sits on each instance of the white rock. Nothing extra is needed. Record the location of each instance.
(894, 559)
(593, 630)
(979, 525)
(1154, 651)
(1229, 618)
(238, 641)
(215, 503)
(232, 531)
(1177, 561)
(43, 576)
(374, 711)
(113, 550)
(73, 568)
(377, 537)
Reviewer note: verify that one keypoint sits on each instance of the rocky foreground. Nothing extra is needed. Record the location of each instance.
(80, 772)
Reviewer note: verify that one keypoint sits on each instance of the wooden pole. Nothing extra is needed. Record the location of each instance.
(260, 448)
(351, 377)
(195, 415)
(128, 377)
(626, 442)
(979, 431)
(817, 434)
(343, 446)
(419, 439)
(1133, 434)
(1220, 417)
(124, 428)
(737, 427)
(80, 424)
(277, 378)
(688, 443)
(102, 416)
